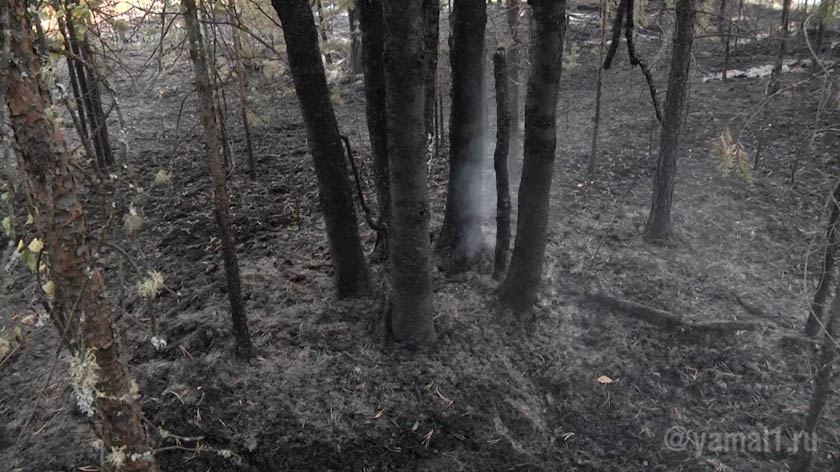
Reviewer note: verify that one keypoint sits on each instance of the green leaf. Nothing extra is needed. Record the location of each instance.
(7, 225)
(49, 288)
(30, 259)
(30, 219)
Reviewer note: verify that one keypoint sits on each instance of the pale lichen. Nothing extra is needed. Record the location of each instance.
(83, 377)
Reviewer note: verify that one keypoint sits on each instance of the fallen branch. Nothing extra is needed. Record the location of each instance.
(666, 319)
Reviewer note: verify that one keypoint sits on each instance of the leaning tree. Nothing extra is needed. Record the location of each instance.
(81, 309)
(351, 271)
(221, 201)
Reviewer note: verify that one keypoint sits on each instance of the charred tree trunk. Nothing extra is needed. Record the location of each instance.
(822, 387)
(514, 77)
(241, 80)
(599, 86)
(812, 327)
(431, 15)
(500, 164)
(547, 34)
(460, 238)
(212, 145)
(351, 272)
(659, 221)
(773, 87)
(411, 296)
(356, 64)
(81, 310)
(373, 42)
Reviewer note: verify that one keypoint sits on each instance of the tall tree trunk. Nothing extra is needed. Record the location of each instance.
(460, 240)
(822, 388)
(659, 221)
(599, 86)
(812, 327)
(373, 42)
(356, 64)
(322, 26)
(411, 287)
(351, 272)
(212, 145)
(88, 82)
(773, 87)
(500, 164)
(519, 289)
(81, 310)
(431, 15)
(514, 77)
(241, 80)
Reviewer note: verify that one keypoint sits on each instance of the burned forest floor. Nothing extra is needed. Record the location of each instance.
(328, 391)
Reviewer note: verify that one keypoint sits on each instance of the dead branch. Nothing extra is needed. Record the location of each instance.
(666, 319)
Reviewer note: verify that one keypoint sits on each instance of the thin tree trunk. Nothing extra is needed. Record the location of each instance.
(825, 13)
(217, 93)
(519, 289)
(411, 288)
(217, 177)
(373, 41)
(241, 79)
(460, 240)
(815, 316)
(500, 164)
(350, 268)
(822, 388)
(114, 410)
(726, 51)
(599, 86)
(322, 26)
(773, 87)
(356, 65)
(514, 77)
(431, 15)
(83, 130)
(659, 221)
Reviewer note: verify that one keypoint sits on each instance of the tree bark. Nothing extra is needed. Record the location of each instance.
(241, 80)
(351, 271)
(659, 220)
(217, 176)
(460, 240)
(411, 288)
(815, 316)
(547, 34)
(356, 65)
(81, 310)
(773, 87)
(431, 15)
(88, 82)
(373, 41)
(599, 86)
(322, 26)
(514, 78)
(500, 164)
(822, 387)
